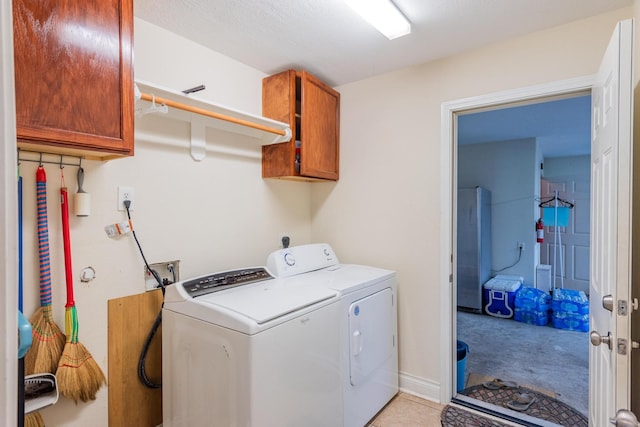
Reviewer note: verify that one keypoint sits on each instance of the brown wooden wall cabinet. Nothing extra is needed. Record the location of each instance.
(74, 77)
(312, 109)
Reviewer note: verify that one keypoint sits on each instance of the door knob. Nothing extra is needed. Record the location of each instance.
(597, 339)
(607, 302)
(624, 418)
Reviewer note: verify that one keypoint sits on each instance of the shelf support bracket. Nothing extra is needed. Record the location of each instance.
(284, 138)
(198, 138)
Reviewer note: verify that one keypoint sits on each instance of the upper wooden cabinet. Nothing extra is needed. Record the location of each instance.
(73, 76)
(312, 109)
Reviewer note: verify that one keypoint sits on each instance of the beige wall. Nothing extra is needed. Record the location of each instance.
(385, 210)
(508, 169)
(220, 214)
(213, 215)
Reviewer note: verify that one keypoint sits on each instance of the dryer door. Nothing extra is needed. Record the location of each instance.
(371, 334)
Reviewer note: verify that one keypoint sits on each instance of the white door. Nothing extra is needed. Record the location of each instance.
(574, 251)
(612, 107)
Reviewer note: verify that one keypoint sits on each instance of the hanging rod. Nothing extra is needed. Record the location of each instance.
(41, 160)
(214, 115)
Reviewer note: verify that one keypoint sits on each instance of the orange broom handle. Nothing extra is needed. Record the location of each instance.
(67, 246)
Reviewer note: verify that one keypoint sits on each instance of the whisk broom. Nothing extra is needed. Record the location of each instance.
(48, 340)
(79, 376)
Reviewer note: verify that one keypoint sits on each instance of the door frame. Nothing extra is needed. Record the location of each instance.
(8, 222)
(448, 153)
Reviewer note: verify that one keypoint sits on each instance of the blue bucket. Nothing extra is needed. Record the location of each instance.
(463, 352)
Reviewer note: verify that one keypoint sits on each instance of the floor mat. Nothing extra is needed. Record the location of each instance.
(544, 407)
(453, 416)
(478, 379)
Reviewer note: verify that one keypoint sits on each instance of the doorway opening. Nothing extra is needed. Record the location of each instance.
(501, 351)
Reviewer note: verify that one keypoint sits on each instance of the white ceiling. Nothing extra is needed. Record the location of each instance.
(326, 38)
(562, 127)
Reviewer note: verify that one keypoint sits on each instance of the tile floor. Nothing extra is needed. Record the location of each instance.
(408, 410)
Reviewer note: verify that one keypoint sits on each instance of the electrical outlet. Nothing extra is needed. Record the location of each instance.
(521, 246)
(168, 272)
(125, 193)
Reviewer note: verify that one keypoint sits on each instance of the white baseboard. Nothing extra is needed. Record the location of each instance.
(420, 387)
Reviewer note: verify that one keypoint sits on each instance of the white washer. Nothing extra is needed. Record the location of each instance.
(368, 324)
(265, 353)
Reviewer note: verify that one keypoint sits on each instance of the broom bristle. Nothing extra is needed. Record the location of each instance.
(79, 376)
(33, 419)
(47, 343)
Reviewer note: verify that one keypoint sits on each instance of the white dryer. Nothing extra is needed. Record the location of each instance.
(368, 324)
(242, 348)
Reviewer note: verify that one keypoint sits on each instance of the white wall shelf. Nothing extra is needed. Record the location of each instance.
(202, 114)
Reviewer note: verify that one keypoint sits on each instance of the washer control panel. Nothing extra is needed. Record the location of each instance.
(224, 280)
(289, 259)
(301, 259)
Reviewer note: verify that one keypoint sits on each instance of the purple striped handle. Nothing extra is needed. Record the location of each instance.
(43, 237)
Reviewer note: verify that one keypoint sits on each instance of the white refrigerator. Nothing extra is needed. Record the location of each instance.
(474, 246)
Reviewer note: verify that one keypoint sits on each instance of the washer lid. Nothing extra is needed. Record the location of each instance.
(346, 278)
(268, 301)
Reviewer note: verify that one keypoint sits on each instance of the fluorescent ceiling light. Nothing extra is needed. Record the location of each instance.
(382, 14)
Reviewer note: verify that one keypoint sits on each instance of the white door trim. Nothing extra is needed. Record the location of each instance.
(8, 223)
(448, 153)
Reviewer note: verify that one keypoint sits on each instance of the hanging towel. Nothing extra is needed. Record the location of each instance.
(548, 216)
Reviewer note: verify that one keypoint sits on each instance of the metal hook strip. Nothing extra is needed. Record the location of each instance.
(40, 158)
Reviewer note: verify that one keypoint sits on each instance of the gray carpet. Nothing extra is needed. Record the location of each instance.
(540, 356)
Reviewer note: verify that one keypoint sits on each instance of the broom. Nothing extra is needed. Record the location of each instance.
(33, 419)
(79, 376)
(48, 340)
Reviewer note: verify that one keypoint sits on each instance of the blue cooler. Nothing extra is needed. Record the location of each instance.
(499, 295)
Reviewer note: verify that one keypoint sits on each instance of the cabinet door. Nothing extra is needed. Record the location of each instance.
(371, 335)
(279, 103)
(320, 133)
(74, 87)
